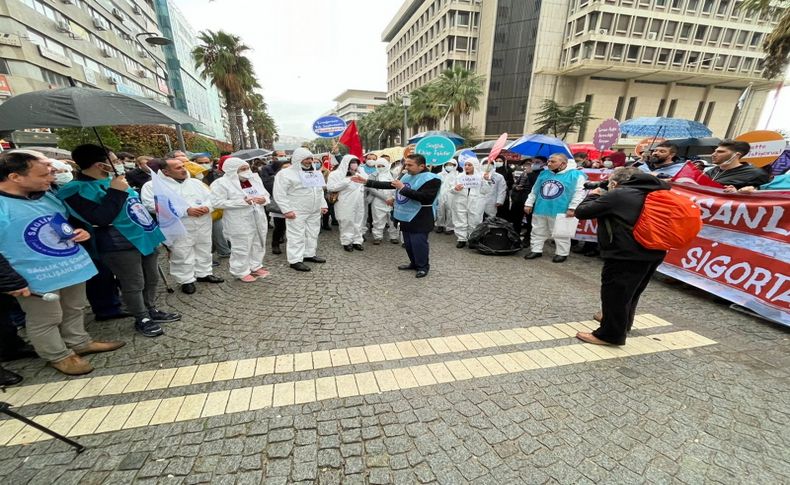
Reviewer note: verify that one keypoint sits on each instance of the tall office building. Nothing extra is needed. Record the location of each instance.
(690, 59)
(353, 104)
(193, 95)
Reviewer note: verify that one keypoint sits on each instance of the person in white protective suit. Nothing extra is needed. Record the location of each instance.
(381, 204)
(299, 191)
(444, 214)
(190, 255)
(496, 197)
(350, 205)
(468, 203)
(241, 196)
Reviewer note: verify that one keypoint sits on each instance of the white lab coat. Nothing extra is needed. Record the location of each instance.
(350, 205)
(190, 255)
(497, 195)
(244, 225)
(306, 202)
(468, 206)
(381, 212)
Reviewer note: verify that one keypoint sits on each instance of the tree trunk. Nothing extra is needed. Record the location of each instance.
(234, 135)
(456, 122)
(239, 119)
(251, 131)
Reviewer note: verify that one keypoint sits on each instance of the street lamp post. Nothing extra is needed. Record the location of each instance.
(155, 39)
(406, 103)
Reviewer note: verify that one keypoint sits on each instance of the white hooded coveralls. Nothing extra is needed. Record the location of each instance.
(244, 225)
(444, 214)
(350, 205)
(190, 255)
(497, 195)
(306, 202)
(378, 203)
(468, 206)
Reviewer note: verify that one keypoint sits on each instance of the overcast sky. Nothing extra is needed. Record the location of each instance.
(305, 52)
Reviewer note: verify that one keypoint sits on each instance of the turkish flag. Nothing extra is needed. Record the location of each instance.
(350, 138)
(690, 174)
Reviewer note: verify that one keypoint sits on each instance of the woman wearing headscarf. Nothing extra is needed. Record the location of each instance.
(241, 195)
(350, 205)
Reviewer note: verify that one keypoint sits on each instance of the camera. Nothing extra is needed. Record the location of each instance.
(603, 184)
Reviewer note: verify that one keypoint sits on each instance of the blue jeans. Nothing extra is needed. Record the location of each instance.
(418, 250)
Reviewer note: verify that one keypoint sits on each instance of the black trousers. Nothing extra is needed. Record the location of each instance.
(516, 210)
(622, 283)
(278, 235)
(418, 249)
(10, 342)
(102, 292)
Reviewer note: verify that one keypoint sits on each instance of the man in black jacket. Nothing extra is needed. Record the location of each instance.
(628, 266)
(415, 209)
(731, 171)
(11, 346)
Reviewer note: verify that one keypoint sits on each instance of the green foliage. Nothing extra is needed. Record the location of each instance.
(461, 90)
(199, 144)
(69, 138)
(777, 43)
(559, 121)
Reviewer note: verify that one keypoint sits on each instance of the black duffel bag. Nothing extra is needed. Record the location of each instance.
(495, 236)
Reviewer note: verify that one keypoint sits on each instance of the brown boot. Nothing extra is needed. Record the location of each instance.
(73, 365)
(96, 347)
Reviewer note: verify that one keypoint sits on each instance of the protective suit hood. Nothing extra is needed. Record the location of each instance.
(345, 162)
(298, 156)
(231, 167)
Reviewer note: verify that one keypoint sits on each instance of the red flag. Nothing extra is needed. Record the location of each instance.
(690, 174)
(350, 138)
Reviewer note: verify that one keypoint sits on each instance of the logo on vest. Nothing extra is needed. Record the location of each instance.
(551, 189)
(139, 214)
(400, 199)
(42, 238)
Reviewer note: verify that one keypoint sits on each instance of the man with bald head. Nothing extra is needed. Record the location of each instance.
(557, 191)
(190, 257)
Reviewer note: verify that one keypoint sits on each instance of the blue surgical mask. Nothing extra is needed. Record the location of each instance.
(316, 165)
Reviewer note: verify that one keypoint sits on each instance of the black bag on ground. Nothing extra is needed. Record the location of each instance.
(495, 236)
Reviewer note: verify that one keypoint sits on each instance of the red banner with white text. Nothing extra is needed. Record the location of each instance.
(742, 253)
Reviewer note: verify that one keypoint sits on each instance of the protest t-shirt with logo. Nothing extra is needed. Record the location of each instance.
(36, 240)
(554, 191)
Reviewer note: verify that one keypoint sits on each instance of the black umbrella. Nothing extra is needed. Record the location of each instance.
(694, 147)
(251, 153)
(77, 107)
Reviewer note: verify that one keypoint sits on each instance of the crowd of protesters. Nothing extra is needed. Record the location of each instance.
(86, 231)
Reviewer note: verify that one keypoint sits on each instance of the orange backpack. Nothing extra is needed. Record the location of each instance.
(668, 221)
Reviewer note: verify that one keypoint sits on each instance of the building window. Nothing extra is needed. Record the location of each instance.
(622, 23)
(700, 107)
(619, 108)
(4, 67)
(661, 105)
(462, 19)
(649, 55)
(633, 53)
(617, 52)
(709, 113)
(629, 113)
(672, 105)
(669, 33)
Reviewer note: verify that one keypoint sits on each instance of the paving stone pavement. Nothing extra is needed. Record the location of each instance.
(714, 413)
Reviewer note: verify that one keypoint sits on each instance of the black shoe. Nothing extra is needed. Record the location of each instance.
(148, 328)
(358, 247)
(8, 378)
(315, 259)
(25, 352)
(214, 263)
(326, 228)
(104, 318)
(189, 288)
(421, 274)
(403, 245)
(211, 279)
(376, 242)
(335, 223)
(559, 259)
(533, 255)
(405, 267)
(395, 241)
(593, 253)
(276, 249)
(450, 232)
(300, 267)
(460, 244)
(439, 230)
(158, 316)
(349, 248)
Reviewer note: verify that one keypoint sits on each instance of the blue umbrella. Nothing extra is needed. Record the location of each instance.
(539, 146)
(454, 137)
(664, 127)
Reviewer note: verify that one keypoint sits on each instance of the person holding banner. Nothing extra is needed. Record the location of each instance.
(556, 193)
(468, 199)
(126, 237)
(730, 170)
(52, 267)
(416, 198)
(241, 196)
(190, 254)
(350, 205)
(299, 191)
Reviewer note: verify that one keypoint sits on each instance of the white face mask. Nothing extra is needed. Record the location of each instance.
(120, 169)
(199, 176)
(129, 165)
(207, 166)
(498, 164)
(382, 169)
(63, 178)
(370, 163)
(448, 168)
(245, 175)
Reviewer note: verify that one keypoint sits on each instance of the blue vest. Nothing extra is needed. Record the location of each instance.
(406, 209)
(35, 250)
(554, 191)
(133, 221)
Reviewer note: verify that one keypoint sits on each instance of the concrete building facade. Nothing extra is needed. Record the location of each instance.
(689, 59)
(353, 104)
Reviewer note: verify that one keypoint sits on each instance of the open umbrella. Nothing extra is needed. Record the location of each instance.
(50, 152)
(77, 107)
(454, 137)
(593, 153)
(664, 127)
(539, 145)
(694, 147)
(251, 153)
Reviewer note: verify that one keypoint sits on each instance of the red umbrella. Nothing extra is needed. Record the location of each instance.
(588, 148)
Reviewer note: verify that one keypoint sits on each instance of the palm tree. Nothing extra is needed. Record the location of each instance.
(777, 44)
(461, 90)
(426, 108)
(220, 59)
(251, 103)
